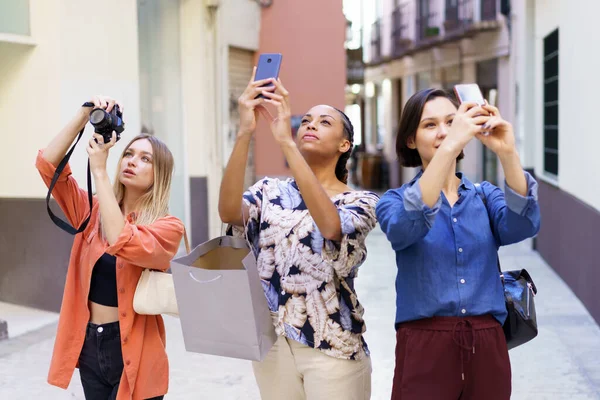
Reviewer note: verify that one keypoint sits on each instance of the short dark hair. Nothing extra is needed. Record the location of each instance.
(409, 123)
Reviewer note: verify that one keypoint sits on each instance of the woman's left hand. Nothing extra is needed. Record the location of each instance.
(98, 152)
(281, 124)
(501, 137)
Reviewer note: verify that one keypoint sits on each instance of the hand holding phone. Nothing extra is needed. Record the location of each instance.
(268, 67)
(470, 92)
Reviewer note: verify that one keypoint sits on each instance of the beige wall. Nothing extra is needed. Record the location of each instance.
(206, 34)
(77, 53)
(75, 56)
(241, 23)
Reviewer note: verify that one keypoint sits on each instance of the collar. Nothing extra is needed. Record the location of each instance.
(465, 183)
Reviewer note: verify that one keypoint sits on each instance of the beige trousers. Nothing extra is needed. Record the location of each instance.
(293, 371)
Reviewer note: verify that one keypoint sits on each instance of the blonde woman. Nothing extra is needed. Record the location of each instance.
(120, 354)
(309, 234)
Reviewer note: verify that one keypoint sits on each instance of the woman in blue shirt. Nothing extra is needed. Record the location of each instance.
(449, 296)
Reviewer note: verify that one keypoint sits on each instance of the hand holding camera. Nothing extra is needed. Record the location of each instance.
(107, 119)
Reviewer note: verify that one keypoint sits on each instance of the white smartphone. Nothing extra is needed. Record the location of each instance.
(472, 93)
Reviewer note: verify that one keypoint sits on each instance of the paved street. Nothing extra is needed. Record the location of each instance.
(562, 363)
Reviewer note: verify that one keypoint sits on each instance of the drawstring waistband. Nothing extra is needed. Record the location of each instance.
(462, 330)
(461, 341)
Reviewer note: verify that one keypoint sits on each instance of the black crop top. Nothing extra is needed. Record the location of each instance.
(103, 288)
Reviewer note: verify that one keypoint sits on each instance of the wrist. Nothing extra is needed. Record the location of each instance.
(83, 115)
(451, 147)
(84, 112)
(287, 143)
(244, 133)
(509, 155)
(99, 173)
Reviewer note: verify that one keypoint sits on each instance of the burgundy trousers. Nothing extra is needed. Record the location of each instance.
(451, 358)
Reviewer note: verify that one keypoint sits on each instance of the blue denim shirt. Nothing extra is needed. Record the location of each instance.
(447, 256)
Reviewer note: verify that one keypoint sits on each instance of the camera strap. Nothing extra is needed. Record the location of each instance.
(59, 169)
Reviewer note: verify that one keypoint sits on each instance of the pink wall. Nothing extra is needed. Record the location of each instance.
(310, 34)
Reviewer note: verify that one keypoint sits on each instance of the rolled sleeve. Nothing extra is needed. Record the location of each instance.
(357, 219)
(416, 209)
(124, 238)
(149, 246)
(521, 204)
(47, 170)
(71, 199)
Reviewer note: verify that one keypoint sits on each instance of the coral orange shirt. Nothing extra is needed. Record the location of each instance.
(146, 368)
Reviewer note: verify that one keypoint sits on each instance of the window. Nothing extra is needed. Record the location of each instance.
(551, 103)
(14, 17)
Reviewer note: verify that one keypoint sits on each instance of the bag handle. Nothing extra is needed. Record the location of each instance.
(245, 222)
(186, 241)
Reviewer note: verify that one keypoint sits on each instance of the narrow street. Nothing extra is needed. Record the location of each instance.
(562, 363)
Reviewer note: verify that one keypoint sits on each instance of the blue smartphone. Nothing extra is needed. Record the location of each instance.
(268, 67)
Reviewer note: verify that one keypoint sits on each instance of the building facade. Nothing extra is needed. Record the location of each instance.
(557, 78)
(536, 60)
(176, 66)
(410, 45)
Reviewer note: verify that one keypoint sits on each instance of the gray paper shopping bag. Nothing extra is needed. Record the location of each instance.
(222, 306)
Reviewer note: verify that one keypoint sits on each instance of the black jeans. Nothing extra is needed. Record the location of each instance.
(101, 362)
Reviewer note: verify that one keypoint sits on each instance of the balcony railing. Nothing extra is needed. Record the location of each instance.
(461, 15)
(489, 11)
(428, 28)
(376, 41)
(416, 25)
(401, 41)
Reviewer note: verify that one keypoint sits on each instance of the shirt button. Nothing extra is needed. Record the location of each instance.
(462, 281)
(455, 220)
(100, 329)
(125, 339)
(463, 311)
(120, 265)
(460, 249)
(123, 314)
(127, 362)
(122, 290)
(283, 292)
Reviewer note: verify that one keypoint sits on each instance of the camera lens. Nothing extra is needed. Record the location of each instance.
(97, 116)
(269, 60)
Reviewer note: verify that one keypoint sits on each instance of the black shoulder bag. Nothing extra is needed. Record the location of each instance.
(519, 291)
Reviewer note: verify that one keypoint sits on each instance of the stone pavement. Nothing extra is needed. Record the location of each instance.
(562, 363)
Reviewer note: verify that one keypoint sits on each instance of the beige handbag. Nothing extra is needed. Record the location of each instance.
(155, 291)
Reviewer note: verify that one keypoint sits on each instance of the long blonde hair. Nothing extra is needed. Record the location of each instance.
(153, 204)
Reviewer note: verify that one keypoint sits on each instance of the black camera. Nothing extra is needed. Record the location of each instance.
(107, 122)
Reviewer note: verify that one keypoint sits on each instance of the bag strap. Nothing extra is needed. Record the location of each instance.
(481, 195)
(65, 226)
